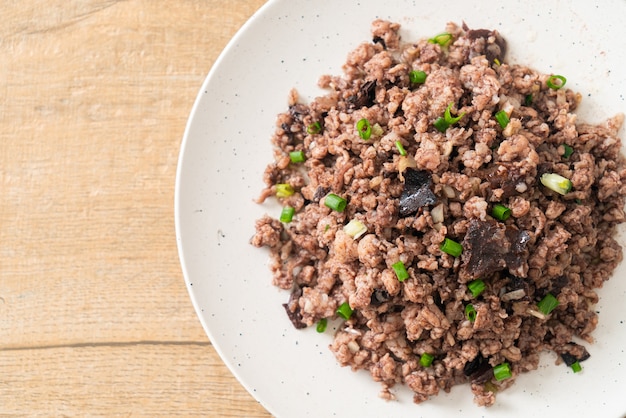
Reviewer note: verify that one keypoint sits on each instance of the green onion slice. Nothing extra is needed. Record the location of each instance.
(476, 287)
(417, 77)
(345, 311)
(502, 371)
(364, 128)
(567, 151)
(451, 247)
(501, 212)
(442, 39)
(528, 100)
(321, 325)
(556, 183)
(355, 228)
(426, 359)
(400, 271)
(335, 202)
(470, 312)
(314, 128)
(576, 367)
(377, 130)
(547, 304)
(284, 190)
(448, 117)
(502, 118)
(556, 81)
(441, 124)
(401, 149)
(297, 156)
(287, 214)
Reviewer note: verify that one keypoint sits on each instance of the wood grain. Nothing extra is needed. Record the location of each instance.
(95, 319)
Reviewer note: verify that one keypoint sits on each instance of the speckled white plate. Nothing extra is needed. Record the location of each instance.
(290, 43)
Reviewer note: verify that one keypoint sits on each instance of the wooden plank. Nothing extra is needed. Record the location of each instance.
(121, 380)
(95, 98)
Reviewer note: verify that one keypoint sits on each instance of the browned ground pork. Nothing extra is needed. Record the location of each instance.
(446, 186)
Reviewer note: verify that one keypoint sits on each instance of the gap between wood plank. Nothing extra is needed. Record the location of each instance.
(106, 344)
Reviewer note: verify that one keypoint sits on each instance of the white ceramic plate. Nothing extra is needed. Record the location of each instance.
(290, 43)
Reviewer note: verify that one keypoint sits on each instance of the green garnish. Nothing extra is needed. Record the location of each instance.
(345, 311)
(443, 123)
(502, 371)
(284, 190)
(426, 359)
(476, 287)
(364, 128)
(321, 325)
(314, 128)
(335, 202)
(401, 149)
(470, 312)
(556, 81)
(501, 212)
(355, 228)
(556, 182)
(528, 100)
(451, 247)
(417, 77)
(567, 151)
(286, 214)
(297, 156)
(448, 117)
(576, 367)
(400, 271)
(547, 304)
(443, 39)
(502, 118)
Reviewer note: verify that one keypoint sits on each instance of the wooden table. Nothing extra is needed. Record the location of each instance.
(95, 319)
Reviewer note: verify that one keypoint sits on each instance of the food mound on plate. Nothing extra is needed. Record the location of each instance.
(448, 208)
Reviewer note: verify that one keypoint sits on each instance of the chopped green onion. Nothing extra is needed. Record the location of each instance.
(528, 100)
(321, 325)
(502, 371)
(355, 228)
(364, 128)
(442, 39)
(567, 151)
(335, 202)
(377, 130)
(448, 117)
(297, 156)
(401, 149)
(426, 359)
(476, 287)
(400, 271)
(314, 128)
(344, 310)
(502, 118)
(417, 77)
(441, 124)
(547, 304)
(576, 367)
(556, 81)
(451, 247)
(287, 214)
(470, 312)
(556, 182)
(284, 190)
(501, 212)
(497, 62)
